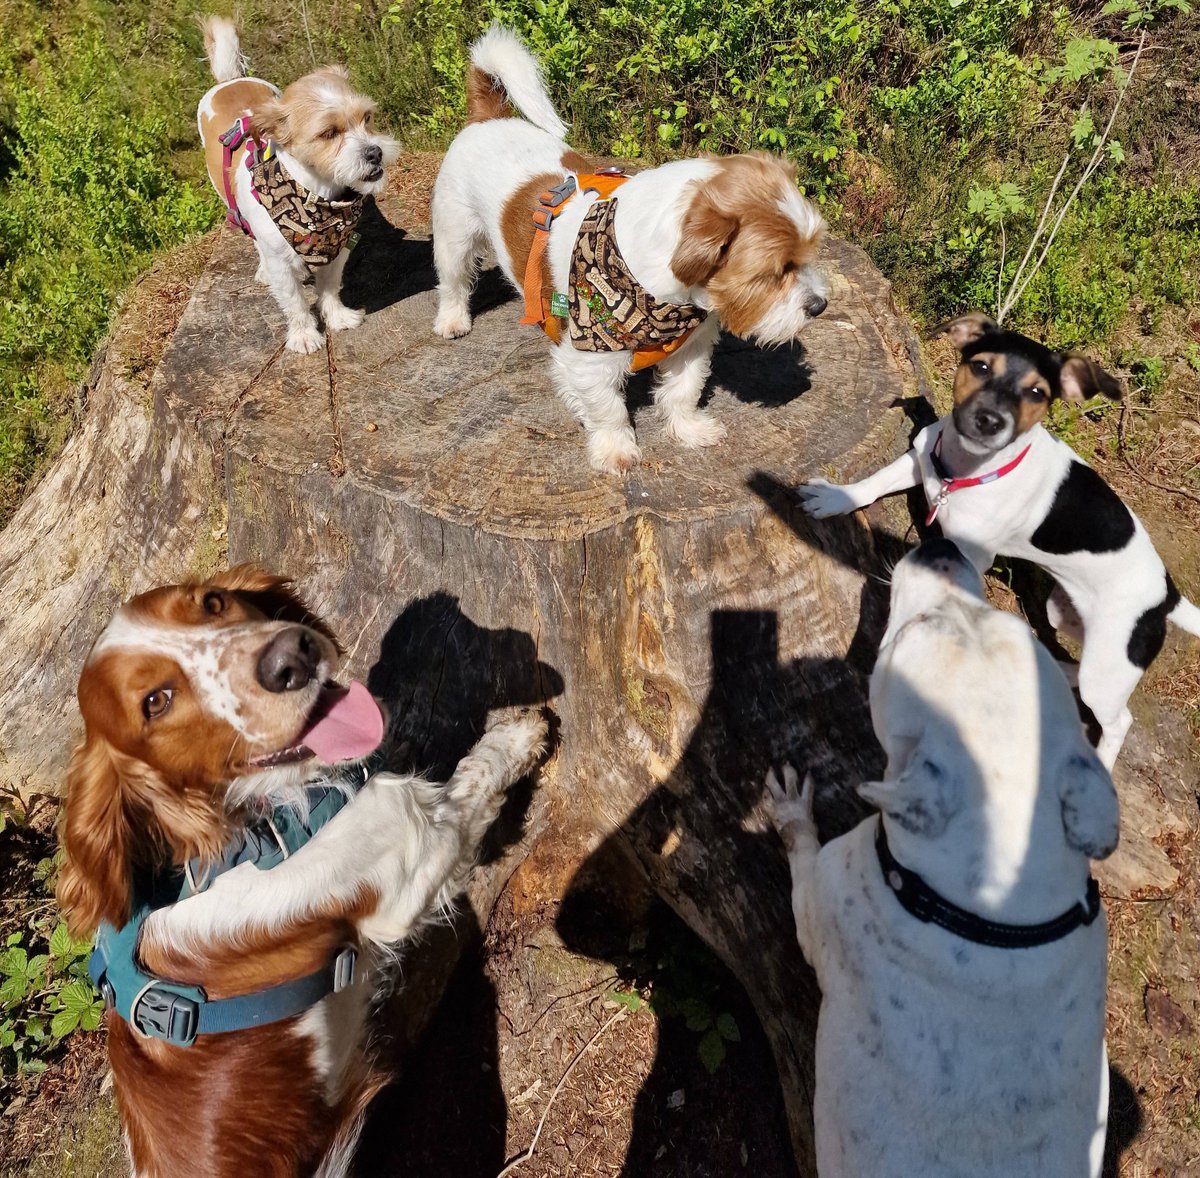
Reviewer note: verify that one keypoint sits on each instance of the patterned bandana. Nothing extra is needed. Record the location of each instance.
(316, 228)
(607, 311)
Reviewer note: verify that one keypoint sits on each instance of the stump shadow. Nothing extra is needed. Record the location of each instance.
(440, 673)
(697, 836)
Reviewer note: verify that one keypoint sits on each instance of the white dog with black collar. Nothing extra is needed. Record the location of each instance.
(939, 1055)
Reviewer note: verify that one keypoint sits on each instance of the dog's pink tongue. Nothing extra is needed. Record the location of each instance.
(350, 727)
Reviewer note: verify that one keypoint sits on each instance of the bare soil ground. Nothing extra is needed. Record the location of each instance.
(545, 996)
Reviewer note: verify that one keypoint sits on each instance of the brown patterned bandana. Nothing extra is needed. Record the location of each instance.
(607, 311)
(316, 228)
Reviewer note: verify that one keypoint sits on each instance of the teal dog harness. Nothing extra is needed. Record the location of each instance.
(176, 1012)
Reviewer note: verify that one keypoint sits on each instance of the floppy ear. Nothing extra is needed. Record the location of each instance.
(1091, 815)
(96, 882)
(269, 120)
(926, 795)
(1082, 378)
(272, 595)
(704, 237)
(966, 329)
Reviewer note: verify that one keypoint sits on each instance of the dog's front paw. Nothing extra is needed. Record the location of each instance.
(305, 339)
(524, 738)
(821, 499)
(789, 810)
(613, 451)
(452, 323)
(339, 317)
(697, 429)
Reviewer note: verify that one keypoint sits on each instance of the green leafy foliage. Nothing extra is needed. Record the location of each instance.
(44, 995)
(88, 195)
(683, 985)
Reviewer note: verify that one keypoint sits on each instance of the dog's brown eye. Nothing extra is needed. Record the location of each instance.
(330, 133)
(367, 118)
(1038, 393)
(980, 368)
(790, 268)
(157, 702)
(214, 603)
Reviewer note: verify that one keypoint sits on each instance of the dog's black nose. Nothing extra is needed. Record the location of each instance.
(988, 422)
(374, 154)
(814, 305)
(289, 661)
(938, 552)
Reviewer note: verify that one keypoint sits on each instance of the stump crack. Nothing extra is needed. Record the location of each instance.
(337, 464)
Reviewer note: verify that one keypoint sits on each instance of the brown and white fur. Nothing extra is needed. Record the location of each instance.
(733, 236)
(185, 733)
(323, 133)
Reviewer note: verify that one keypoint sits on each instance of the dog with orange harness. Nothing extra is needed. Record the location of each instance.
(622, 272)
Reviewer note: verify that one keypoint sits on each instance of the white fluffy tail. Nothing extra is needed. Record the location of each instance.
(223, 48)
(1186, 616)
(500, 54)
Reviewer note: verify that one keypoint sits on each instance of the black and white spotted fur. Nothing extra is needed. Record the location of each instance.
(1113, 592)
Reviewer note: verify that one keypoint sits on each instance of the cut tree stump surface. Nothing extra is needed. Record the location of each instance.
(687, 624)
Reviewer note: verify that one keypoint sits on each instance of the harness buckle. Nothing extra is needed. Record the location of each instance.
(234, 137)
(161, 1014)
(344, 969)
(556, 194)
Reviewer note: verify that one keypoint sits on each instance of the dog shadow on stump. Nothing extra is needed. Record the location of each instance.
(388, 266)
(700, 839)
(697, 839)
(445, 1113)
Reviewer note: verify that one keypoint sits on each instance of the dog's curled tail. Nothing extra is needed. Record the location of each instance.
(223, 48)
(1186, 616)
(504, 74)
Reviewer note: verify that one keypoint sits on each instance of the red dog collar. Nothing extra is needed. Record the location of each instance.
(950, 484)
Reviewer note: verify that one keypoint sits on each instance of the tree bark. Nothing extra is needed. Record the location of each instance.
(686, 625)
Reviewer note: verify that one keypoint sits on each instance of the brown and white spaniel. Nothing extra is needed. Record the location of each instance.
(210, 707)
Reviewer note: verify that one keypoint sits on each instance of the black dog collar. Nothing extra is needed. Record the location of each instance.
(918, 898)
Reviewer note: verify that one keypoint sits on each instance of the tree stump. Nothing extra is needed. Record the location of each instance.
(687, 626)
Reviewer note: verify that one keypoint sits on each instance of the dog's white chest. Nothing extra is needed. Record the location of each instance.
(936, 1056)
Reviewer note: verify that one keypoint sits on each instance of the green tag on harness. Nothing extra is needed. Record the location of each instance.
(353, 240)
(558, 304)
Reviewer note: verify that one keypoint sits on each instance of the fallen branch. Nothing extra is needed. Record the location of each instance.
(1146, 478)
(1015, 291)
(521, 1158)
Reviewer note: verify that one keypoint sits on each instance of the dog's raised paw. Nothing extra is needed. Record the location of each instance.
(786, 805)
(821, 499)
(524, 738)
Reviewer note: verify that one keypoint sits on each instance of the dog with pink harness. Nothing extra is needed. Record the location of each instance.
(294, 169)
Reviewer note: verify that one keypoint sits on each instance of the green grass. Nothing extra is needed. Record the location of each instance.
(905, 118)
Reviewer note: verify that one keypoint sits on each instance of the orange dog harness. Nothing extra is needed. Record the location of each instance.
(651, 331)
